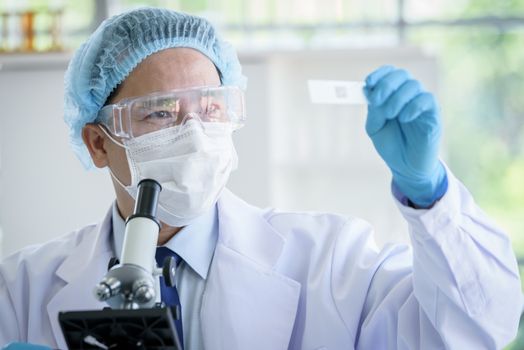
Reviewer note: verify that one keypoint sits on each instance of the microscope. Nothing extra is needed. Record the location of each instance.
(135, 319)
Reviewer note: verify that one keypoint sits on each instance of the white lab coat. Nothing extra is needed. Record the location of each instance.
(303, 281)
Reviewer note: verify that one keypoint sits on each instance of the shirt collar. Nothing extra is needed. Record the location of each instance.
(195, 243)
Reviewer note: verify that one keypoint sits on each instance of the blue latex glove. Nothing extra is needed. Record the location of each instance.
(404, 124)
(24, 346)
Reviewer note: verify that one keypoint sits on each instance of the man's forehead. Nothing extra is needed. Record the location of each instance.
(170, 69)
(175, 59)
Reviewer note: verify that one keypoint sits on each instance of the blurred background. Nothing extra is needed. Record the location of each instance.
(294, 155)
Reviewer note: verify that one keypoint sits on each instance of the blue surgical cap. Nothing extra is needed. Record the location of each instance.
(119, 45)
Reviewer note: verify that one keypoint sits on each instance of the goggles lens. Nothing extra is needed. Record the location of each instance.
(142, 115)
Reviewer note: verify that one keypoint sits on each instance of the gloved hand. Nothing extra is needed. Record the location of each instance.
(24, 346)
(404, 124)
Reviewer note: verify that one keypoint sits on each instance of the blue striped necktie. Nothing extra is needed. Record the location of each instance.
(170, 294)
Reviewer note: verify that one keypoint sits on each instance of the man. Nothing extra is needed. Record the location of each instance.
(154, 93)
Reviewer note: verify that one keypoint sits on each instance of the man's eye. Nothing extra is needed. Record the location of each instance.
(216, 113)
(161, 115)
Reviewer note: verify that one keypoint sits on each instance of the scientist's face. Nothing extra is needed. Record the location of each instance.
(165, 70)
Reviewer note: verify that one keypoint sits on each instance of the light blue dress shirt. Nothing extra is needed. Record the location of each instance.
(195, 244)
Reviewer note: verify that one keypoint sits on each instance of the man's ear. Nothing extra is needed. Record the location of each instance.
(95, 140)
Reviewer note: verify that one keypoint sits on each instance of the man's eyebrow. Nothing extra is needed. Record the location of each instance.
(113, 94)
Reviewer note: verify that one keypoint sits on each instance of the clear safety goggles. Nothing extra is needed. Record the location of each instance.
(134, 117)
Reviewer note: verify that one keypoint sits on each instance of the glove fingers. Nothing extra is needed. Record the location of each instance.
(378, 74)
(387, 86)
(400, 98)
(374, 122)
(375, 77)
(398, 89)
(417, 106)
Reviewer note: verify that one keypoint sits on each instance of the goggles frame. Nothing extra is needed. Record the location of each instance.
(117, 118)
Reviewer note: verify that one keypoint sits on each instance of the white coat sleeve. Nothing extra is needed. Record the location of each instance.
(462, 291)
(8, 323)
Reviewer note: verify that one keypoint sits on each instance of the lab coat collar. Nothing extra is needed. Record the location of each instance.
(82, 270)
(90, 248)
(243, 228)
(247, 303)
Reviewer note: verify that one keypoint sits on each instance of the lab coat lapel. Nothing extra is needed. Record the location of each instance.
(247, 304)
(81, 271)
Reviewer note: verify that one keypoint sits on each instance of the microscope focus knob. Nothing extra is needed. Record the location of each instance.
(143, 291)
(168, 271)
(107, 288)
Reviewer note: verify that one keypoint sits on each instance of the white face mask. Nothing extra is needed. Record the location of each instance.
(191, 162)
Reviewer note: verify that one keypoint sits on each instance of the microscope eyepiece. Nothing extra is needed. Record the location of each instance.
(147, 198)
